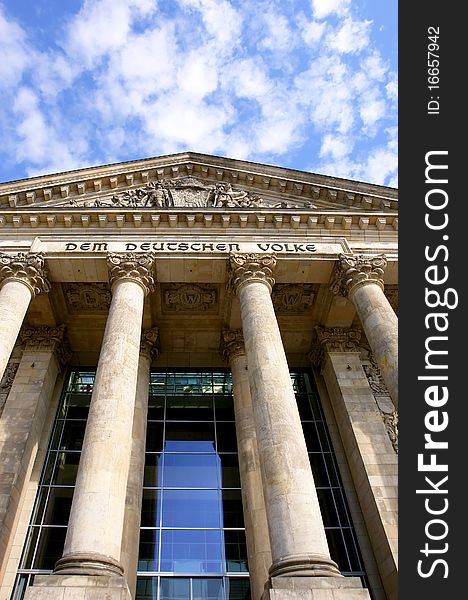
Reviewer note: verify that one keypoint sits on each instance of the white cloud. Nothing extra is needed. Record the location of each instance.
(336, 147)
(350, 37)
(324, 8)
(40, 144)
(278, 35)
(15, 53)
(221, 19)
(312, 31)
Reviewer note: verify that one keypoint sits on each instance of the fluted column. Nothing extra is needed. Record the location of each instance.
(360, 278)
(94, 535)
(131, 529)
(297, 535)
(253, 503)
(22, 276)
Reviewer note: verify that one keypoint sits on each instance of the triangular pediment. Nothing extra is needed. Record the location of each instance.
(196, 181)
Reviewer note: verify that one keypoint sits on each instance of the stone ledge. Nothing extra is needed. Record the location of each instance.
(315, 588)
(78, 587)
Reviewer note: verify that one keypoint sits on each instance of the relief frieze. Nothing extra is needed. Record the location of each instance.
(186, 192)
(189, 298)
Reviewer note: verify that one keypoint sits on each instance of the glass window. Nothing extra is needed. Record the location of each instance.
(190, 508)
(198, 437)
(191, 470)
(191, 551)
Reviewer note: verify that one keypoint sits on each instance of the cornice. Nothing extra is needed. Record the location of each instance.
(75, 218)
(278, 183)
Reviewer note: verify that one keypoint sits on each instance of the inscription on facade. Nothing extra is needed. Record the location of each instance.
(189, 247)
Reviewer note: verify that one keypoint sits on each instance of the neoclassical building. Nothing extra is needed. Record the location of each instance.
(199, 384)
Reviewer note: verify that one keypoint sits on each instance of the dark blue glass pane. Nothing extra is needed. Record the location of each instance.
(238, 589)
(153, 470)
(50, 547)
(229, 470)
(190, 551)
(154, 437)
(189, 437)
(191, 508)
(224, 408)
(236, 551)
(227, 441)
(149, 549)
(66, 468)
(175, 588)
(147, 588)
(58, 506)
(190, 408)
(207, 589)
(232, 508)
(191, 470)
(150, 508)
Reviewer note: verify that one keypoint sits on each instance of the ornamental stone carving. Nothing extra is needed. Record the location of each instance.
(47, 339)
(232, 344)
(87, 297)
(248, 268)
(30, 269)
(132, 267)
(290, 298)
(189, 297)
(334, 339)
(149, 344)
(186, 192)
(355, 271)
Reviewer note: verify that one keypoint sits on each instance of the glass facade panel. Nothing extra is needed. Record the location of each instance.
(192, 522)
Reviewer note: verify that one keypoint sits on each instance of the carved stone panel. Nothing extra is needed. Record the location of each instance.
(87, 297)
(187, 192)
(190, 298)
(293, 299)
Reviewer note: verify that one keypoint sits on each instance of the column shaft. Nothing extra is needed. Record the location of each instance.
(15, 297)
(253, 503)
(131, 529)
(297, 535)
(94, 535)
(380, 325)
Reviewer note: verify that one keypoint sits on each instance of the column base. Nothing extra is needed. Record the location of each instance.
(305, 565)
(315, 588)
(78, 587)
(87, 563)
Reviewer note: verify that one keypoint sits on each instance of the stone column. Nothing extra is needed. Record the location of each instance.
(297, 535)
(94, 534)
(253, 503)
(131, 528)
(372, 459)
(23, 420)
(360, 278)
(22, 276)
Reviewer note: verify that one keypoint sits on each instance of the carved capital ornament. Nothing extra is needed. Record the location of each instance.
(354, 271)
(334, 339)
(30, 269)
(149, 344)
(132, 267)
(232, 344)
(250, 268)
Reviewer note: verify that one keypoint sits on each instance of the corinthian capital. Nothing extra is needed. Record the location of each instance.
(248, 268)
(334, 339)
(355, 271)
(149, 345)
(232, 344)
(48, 339)
(132, 267)
(30, 269)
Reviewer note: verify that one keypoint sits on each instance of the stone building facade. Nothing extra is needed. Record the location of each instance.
(199, 384)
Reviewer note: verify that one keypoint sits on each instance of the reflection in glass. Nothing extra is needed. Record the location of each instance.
(191, 470)
(153, 471)
(191, 508)
(207, 589)
(238, 589)
(151, 508)
(236, 551)
(174, 588)
(149, 547)
(191, 551)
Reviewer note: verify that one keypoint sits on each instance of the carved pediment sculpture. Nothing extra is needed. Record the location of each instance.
(186, 192)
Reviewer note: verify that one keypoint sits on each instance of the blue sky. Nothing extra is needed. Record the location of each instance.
(304, 84)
